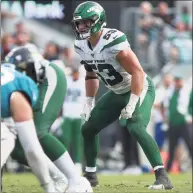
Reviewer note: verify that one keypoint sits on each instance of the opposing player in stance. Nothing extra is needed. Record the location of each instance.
(18, 95)
(106, 54)
(51, 83)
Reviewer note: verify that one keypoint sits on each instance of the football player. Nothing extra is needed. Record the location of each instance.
(52, 85)
(106, 54)
(18, 95)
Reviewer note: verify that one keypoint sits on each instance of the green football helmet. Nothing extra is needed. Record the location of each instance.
(88, 19)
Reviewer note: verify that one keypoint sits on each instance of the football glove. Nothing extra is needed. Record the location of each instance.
(88, 106)
(127, 112)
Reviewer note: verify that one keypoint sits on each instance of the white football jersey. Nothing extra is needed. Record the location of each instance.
(75, 96)
(102, 60)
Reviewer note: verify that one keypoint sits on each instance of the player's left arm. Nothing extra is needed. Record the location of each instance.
(129, 61)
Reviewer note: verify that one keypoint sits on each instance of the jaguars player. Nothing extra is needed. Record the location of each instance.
(18, 95)
(106, 54)
(52, 85)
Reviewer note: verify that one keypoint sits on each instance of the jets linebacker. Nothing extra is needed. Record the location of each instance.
(106, 54)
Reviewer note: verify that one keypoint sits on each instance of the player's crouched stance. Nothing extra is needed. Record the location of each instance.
(106, 54)
(51, 83)
(18, 94)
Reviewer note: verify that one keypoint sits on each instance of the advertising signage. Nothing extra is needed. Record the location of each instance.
(54, 10)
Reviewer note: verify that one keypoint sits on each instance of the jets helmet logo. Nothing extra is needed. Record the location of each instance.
(94, 8)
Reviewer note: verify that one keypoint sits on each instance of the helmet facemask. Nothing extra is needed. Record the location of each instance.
(92, 15)
(84, 28)
(36, 71)
(28, 61)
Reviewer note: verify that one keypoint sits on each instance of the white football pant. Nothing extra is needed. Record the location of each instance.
(7, 143)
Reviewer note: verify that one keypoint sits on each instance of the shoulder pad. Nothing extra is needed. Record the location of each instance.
(113, 38)
(79, 46)
(111, 34)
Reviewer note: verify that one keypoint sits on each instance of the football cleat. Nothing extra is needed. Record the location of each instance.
(60, 185)
(162, 181)
(92, 178)
(49, 187)
(80, 186)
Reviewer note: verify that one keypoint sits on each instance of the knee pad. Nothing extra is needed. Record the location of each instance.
(135, 128)
(88, 130)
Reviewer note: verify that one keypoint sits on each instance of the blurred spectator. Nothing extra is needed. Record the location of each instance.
(185, 18)
(181, 46)
(68, 53)
(72, 60)
(162, 95)
(178, 119)
(147, 21)
(164, 18)
(22, 38)
(19, 28)
(7, 43)
(174, 55)
(164, 13)
(69, 132)
(147, 40)
(51, 51)
(146, 7)
(68, 56)
(21, 35)
(145, 24)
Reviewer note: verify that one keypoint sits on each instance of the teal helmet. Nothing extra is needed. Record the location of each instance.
(91, 16)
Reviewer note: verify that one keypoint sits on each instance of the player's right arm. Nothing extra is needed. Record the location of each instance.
(92, 85)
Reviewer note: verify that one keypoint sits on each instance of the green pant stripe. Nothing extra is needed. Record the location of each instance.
(52, 83)
(51, 98)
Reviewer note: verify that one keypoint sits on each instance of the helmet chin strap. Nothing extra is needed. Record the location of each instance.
(88, 34)
(85, 35)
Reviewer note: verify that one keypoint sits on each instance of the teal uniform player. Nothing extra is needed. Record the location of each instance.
(12, 81)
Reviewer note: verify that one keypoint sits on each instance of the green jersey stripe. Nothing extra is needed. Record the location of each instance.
(115, 42)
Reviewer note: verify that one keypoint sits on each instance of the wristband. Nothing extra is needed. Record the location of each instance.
(91, 77)
(90, 100)
(133, 100)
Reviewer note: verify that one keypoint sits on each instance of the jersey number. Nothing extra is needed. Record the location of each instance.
(108, 34)
(114, 76)
(6, 77)
(72, 95)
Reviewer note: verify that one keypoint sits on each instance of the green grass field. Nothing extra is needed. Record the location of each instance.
(27, 183)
